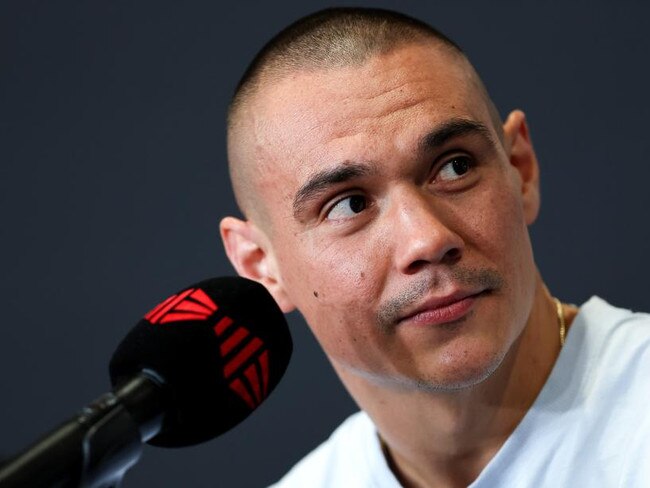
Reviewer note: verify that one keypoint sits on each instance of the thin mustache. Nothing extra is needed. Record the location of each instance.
(395, 308)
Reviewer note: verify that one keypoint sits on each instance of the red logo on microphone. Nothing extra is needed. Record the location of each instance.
(248, 379)
(250, 382)
(192, 304)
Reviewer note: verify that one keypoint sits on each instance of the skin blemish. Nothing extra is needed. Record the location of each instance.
(316, 294)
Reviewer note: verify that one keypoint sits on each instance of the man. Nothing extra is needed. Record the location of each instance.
(385, 199)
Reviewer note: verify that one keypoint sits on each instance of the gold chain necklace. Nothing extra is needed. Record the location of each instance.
(559, 310)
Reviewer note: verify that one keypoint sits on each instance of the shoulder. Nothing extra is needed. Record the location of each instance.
(351, 456)
(611, 351)
(620, 327)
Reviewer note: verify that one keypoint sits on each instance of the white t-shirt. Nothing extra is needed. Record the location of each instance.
(589, 426)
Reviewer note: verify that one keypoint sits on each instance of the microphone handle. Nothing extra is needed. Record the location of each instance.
(95, 448)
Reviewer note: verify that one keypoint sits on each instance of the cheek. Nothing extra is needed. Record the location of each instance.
(507, 228)
(493, 222)
(504, 241)
(335, 273)
(336, 289)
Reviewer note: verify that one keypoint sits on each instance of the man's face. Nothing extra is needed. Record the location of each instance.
(397, 219)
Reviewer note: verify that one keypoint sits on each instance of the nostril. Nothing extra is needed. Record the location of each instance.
(416, 266)
(452, 256)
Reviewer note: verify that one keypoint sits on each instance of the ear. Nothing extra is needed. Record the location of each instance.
(250, 254)
(521, 154)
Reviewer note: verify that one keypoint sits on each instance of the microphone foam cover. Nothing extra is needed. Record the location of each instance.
(221, 347)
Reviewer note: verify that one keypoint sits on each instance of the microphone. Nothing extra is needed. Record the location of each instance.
(194, 367)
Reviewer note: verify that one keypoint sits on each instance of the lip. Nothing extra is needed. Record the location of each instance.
(442, 310)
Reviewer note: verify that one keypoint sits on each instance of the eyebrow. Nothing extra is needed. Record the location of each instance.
(452, 129)
(321, 181)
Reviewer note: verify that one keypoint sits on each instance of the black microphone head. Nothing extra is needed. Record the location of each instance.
(221, 346)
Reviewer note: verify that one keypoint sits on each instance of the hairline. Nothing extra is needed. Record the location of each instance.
(275, 70)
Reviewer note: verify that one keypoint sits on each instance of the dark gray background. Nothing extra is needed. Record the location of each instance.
(113, 180)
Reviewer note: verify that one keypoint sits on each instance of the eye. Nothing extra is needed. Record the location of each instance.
(455, 168)
(347, 207)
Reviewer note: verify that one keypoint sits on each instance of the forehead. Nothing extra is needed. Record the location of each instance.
(308, 121)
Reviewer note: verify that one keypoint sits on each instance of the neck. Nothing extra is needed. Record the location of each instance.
(446, 439)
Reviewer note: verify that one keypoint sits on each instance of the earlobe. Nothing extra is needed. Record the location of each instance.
(521, 154)
(248, 251)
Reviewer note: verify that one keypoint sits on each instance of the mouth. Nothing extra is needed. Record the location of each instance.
(443, 310)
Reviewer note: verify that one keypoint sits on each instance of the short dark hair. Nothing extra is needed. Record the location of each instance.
(334, 37)
(330, 38)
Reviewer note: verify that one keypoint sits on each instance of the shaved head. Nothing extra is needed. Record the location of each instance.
(326, 40)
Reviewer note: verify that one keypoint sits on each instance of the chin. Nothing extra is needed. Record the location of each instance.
(460, 371)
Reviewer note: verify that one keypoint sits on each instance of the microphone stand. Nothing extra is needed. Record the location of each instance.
(97, 447)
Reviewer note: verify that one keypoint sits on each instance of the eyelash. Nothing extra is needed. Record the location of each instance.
(465, 158)
(470, 162)
(328, 209)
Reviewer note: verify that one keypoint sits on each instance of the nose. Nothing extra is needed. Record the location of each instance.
(423, 236)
